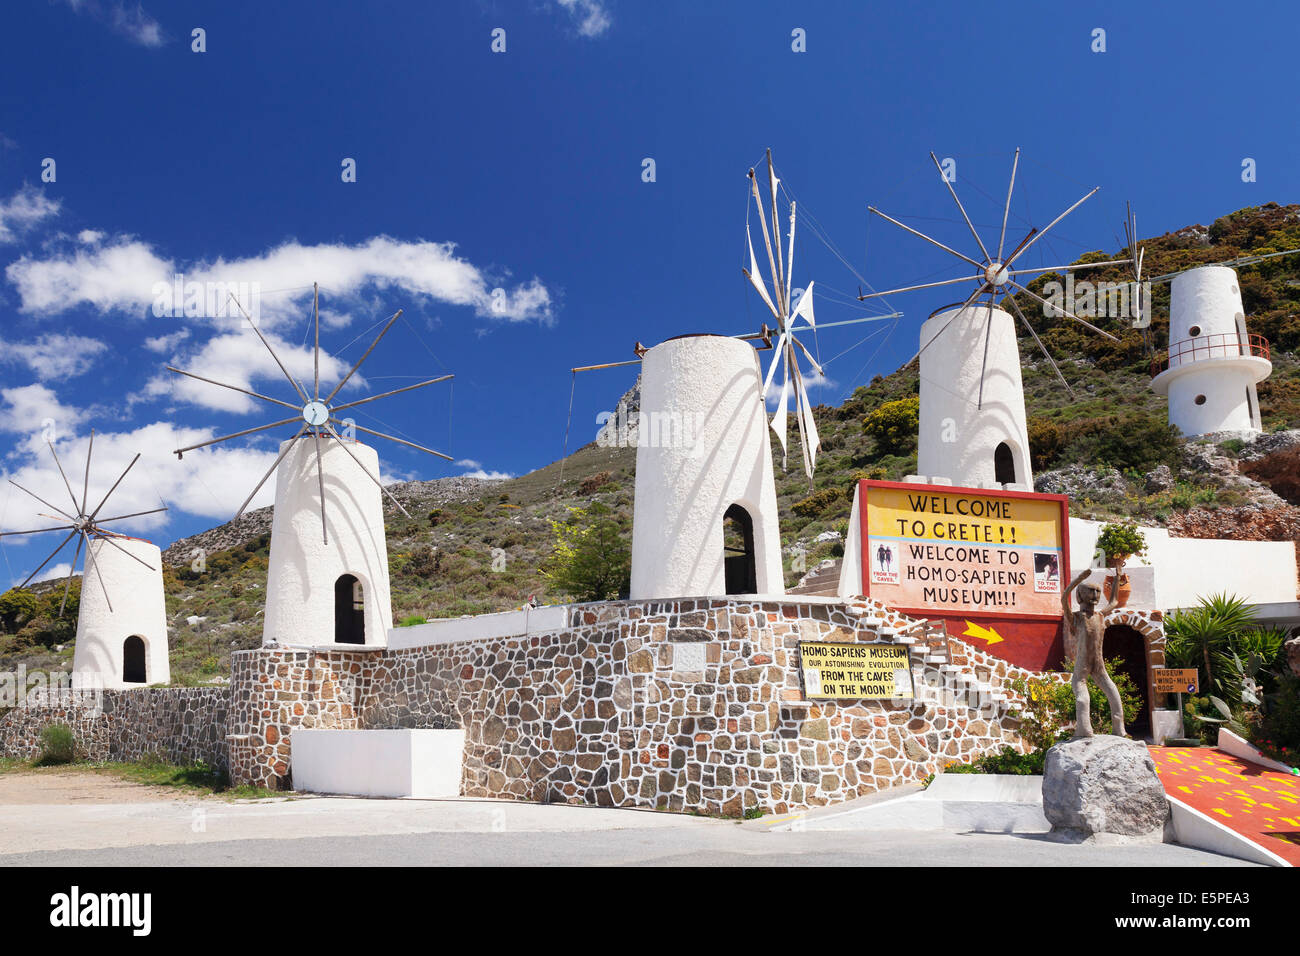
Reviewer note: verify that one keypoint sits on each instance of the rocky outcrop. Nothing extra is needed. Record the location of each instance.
(1104, 786)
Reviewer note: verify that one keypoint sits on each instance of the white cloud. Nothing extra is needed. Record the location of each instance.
(23, 210)
(122, 274)
(489, 475)
(89, 236)
(210, 482)
(28, 408)
(468, 463)
(54, 355)
(163, 344)
(241, 359)
(124, 18)
(591, 16)
(118, 276)
(54, 571)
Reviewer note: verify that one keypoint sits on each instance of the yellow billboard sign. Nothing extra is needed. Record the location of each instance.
(963, 550)
(855, 671)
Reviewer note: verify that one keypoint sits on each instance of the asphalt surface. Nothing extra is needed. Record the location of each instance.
(344, 832)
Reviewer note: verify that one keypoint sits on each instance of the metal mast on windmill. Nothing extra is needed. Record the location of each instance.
(994, 275)
(314, 414)
(84, 525)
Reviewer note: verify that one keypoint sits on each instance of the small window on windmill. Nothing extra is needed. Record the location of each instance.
(1004, 465)
(349, 610)
(1200, 399)
(1194, 331)
(739, 567)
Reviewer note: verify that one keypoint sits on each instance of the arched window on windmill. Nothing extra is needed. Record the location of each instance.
(740, 567)
(1004, 465)
(349, 610)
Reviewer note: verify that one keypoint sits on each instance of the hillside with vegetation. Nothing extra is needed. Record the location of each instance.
(472, 546)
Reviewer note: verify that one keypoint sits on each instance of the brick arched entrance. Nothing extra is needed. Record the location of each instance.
(1149, 626)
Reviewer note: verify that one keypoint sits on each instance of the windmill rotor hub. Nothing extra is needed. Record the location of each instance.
(315, 413)
(996, 274)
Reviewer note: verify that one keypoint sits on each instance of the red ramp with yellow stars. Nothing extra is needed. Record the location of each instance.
(1261, 805)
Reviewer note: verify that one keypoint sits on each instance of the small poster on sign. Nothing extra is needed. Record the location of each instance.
(1047, 572)
(884, 563)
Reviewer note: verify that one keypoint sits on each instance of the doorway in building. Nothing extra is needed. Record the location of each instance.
(739, 566)
(133, 665)
(1130, 647)
(349, 611)
(1004, 465)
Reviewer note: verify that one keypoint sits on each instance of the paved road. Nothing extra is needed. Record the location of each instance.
(337, 831)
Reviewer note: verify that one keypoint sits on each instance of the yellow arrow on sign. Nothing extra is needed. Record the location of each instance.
(983, 633)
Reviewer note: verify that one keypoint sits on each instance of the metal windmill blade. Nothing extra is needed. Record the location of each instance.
(83, 524)
(786, 315)
(314, 414)
(994, 275)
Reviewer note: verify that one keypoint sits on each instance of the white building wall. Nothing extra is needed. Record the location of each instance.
(1187, 569)
(302, 568)
(703, 445)
(958, 436)
(138, 608)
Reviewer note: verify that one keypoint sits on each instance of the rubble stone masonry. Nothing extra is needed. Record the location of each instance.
(682, 705)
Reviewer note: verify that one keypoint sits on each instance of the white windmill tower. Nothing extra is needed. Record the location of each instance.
(972, 416)
(121, 624)
(332, 587)
(1214, 364)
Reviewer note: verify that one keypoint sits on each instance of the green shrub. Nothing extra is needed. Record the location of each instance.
(1277, 731)
(1121, 538)
(411, 621)
(58, 745)
(1007, 760)
(894, 425)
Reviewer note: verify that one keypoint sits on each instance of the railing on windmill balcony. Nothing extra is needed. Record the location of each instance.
(1220, 345)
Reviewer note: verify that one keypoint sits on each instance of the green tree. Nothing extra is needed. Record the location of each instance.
(17, 606)
(1207, 635)
(894, 425)
(591, 559)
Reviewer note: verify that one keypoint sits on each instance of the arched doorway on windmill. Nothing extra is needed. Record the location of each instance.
(1130, 646)
(740, 567)
(349, 610)
(1004, 465)
(134, 670)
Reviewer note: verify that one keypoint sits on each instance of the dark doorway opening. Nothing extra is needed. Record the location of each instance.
(349, 611)
(1130, 647)
(133, 666)
(739, 565)
(1004, 465)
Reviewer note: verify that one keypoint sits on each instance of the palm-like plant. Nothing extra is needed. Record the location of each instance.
(1216, 628)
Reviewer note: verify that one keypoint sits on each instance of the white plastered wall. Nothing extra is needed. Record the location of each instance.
(958, 435)
(1187, 569)
(303, 569)
(703, 445)
(135, 593)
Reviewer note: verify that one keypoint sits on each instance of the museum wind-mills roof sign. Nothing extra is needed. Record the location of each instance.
(83, 523)
(316, 416)
(994, 274)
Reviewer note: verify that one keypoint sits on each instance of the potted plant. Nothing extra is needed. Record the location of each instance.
(1120, 541)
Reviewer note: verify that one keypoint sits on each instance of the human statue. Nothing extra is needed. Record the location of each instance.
(1084, 631)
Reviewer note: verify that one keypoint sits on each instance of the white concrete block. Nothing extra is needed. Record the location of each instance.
(378, 763)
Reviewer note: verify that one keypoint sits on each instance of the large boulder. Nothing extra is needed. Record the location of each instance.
(1104, 786)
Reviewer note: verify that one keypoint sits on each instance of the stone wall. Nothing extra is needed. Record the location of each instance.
(181, 725)
(685, 705)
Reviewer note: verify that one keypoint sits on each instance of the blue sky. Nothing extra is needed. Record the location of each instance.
(522, 171)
